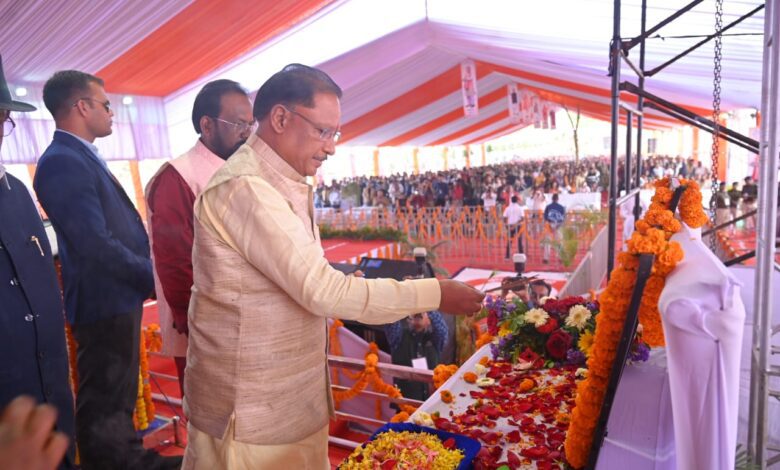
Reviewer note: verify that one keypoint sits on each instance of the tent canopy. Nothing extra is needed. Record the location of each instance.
(398, 62)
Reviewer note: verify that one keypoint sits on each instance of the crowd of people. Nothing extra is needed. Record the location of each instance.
(493, 185)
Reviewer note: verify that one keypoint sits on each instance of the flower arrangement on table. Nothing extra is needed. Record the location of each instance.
(557, 333)
(405, 450)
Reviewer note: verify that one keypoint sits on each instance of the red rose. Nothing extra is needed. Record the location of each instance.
(492, 323)
(558, 344)
(549, 327)
(528, 355)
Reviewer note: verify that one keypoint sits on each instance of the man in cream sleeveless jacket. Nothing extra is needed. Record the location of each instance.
(257, 388)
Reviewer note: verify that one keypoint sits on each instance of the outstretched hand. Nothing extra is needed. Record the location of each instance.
(458, 298)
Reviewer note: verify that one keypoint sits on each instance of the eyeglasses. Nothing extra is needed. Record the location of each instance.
(325, 134)
(8, 125)
(106, 104)
(241, 127)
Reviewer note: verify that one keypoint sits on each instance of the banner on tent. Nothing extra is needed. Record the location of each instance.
(513, 103)
(468, 78)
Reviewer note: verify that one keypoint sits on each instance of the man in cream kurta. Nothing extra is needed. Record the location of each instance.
(257, 388)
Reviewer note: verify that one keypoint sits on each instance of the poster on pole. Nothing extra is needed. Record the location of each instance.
(468, 78)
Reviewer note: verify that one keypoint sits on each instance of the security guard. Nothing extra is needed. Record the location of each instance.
(33, 357)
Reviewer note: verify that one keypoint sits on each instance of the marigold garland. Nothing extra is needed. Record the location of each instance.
(369, 376)
(144, 406)
(335, 349)
(652, 235)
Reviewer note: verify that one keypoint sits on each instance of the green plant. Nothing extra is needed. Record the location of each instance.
(565, 246)
(364, 233)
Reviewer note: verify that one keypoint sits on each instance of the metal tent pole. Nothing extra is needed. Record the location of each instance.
(640, 104)
(765, 239)
(614, 61)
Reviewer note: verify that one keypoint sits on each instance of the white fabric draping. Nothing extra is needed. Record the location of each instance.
(703, 318)
(39, 37)
(140, 130)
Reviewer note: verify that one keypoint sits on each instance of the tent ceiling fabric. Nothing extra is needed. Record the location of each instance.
(204, 36)
(140, 47)
(39, 37)
(398, 62)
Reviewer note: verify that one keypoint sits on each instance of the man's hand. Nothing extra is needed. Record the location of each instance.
(458, 298)
(27, 439)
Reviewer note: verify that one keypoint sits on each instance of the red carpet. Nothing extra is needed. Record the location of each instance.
(739, 241)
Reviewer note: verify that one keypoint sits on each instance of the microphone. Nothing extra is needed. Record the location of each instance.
(420, 257)
(519, 260)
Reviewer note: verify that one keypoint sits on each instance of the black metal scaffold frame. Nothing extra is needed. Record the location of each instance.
(619, 52)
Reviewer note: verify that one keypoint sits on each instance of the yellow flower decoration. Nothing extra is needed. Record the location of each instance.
(586, 343)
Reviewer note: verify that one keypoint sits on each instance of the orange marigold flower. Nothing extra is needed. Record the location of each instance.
(628, 260)
(400, 417)
(446, 396)
(484, 360)
(470, 377)
(483, 339)
(526, 385)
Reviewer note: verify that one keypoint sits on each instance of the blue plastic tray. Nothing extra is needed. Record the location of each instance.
(469, 446)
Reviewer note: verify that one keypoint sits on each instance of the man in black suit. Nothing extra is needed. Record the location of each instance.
(106, 269)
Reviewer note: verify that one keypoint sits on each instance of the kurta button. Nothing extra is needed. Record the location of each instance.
(28, 317)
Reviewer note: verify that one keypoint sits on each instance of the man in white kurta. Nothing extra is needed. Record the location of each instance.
(703, 317)
(257, 388)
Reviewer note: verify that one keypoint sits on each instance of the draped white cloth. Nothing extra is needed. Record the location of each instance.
(703, 316)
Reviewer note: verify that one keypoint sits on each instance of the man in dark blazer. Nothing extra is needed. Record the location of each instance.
(106, 270)
(33, 357)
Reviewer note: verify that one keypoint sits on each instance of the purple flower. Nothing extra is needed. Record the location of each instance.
(575, 357)
(640, 352)
(495, 351)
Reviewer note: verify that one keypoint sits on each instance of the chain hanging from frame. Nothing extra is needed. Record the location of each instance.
(716, 116)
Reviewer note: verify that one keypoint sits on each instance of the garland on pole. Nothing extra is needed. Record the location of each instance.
(652, 235)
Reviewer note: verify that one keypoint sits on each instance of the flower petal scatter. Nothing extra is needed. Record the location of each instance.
(520, 419)
(652, 235)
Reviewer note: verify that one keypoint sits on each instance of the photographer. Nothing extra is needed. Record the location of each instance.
(421, 335)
